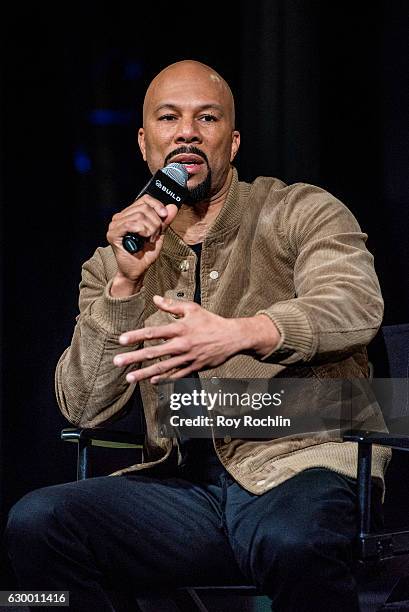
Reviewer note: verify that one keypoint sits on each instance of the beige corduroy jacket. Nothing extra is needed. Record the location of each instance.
(295, 253)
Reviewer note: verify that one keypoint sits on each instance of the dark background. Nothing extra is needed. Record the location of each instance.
(322, 96)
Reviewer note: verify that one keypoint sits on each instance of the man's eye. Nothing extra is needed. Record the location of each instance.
(208, 118)
(167, 117)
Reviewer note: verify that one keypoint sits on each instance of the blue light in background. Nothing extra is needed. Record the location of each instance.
(133, 70)
(107, 116)
(82, 161)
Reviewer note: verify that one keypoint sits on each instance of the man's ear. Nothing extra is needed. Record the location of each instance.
(235, 144)
(141, 142)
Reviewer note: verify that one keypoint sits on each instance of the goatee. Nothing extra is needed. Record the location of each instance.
(202, 191)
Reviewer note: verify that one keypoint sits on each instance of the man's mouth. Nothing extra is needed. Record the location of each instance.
(190, 161)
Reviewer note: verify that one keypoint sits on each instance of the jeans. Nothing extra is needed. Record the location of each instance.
(144, 532)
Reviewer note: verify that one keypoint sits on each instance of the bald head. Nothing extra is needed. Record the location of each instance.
(189, 74)
(188, 117)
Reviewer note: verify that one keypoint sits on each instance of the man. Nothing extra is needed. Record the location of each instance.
(285, 286)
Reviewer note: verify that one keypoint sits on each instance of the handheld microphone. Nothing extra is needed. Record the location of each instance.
(169, 187)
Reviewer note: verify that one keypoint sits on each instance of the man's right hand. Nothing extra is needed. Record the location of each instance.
(149, 218)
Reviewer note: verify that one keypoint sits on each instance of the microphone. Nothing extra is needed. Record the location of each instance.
(167, 185)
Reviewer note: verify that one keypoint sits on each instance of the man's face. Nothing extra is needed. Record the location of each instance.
(189, 119)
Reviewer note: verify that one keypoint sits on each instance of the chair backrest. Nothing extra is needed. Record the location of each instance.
(389, 353)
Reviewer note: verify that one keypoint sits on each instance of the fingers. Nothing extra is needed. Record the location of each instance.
(150, 352)
(160, 209)
(172, 211)
(177, 307)
(177, 348)
(164, 332)
(157, 370)
(142, 220)
(145, 217)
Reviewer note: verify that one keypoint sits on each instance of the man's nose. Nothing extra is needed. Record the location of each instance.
(187, 132)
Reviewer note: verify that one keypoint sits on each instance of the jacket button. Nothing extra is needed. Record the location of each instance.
(214, 274)
(184, 265)
(227, 439)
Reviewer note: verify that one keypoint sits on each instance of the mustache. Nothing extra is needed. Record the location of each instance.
(186, 150)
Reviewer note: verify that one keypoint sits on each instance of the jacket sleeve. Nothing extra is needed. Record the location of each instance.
(338, 305)
(89, 388)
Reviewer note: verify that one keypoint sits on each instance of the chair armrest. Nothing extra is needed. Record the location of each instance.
(398, 441)
(99, 436)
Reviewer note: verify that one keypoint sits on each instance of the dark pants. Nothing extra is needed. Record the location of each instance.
(140, 532)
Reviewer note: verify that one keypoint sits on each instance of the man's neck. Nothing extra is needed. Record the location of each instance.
(192, 222)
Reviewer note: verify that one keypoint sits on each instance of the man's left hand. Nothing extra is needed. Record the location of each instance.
(197, 339)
